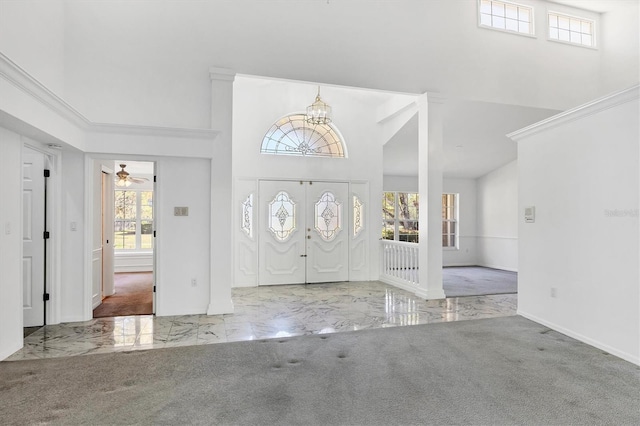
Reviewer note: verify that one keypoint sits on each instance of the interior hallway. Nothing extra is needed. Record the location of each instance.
(265, 312)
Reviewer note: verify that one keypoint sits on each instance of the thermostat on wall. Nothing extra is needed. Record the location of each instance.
(530, 214)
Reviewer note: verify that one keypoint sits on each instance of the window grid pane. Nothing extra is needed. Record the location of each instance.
(571, 29)
(506, 16)
(449, 220)
(400, 212)
(292, 135)
(133, 224)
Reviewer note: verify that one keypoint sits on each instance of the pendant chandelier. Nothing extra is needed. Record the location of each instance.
(319, 112)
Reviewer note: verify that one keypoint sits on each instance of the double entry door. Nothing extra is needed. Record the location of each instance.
(303, 232)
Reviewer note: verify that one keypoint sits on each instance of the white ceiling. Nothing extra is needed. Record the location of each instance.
(599, 6)
(474, 139)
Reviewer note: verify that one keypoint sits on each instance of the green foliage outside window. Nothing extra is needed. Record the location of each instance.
(133, 220)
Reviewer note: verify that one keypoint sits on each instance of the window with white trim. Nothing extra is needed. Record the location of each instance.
(292, 135)
(450, 220)
(133, 227)
(571, 29)
(505, 16)
(400, 211)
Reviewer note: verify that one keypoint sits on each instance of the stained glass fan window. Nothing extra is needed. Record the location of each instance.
(292, 135)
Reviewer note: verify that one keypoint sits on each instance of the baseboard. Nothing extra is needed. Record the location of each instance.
(7, 352)
(244, 285)
(133, 268)
(502, 268)
(458, 265)
(634, 359)
(398, 283)
(417, 290)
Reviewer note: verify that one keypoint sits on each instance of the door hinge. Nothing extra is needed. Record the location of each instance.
(154, 234)
(154, 179)
(154, 288)
(47, 173)
(45, 235)
(303, 255)
(45, 297)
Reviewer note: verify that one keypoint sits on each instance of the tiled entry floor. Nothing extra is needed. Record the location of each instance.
(265, 312)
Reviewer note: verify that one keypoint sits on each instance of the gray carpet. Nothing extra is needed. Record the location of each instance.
(494, 371)
(477, 281)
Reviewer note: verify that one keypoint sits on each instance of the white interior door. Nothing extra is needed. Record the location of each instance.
(282, 237)
(107, 233)
(302, 232)
(33, 257)
(327, 232)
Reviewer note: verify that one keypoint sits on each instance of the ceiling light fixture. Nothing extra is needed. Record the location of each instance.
(319, 112)
(123, 176)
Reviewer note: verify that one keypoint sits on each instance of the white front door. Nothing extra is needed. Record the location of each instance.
(303, 232)
(33, 253)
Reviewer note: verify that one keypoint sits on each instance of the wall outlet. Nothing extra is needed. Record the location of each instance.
(194, 282)
(554, 292)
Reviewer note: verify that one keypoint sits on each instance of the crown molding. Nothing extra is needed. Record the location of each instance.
(20, 78)
(132, 129)
(601, 104)
(223, 74)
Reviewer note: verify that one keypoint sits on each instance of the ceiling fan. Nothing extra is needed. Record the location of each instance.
(124, 179)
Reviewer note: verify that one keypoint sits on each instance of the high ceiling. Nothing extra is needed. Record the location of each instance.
(146, 62)
(474, 139)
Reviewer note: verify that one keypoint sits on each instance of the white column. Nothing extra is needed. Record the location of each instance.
(430, 160)
(221, 194)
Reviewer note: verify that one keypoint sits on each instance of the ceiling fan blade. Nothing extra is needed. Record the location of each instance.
(138, 180)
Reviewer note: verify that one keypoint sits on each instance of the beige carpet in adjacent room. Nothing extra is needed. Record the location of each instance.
(134, 296)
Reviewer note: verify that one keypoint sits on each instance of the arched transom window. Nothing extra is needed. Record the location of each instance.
(292, 135)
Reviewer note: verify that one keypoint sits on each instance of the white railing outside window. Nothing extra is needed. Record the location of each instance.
(399, 263)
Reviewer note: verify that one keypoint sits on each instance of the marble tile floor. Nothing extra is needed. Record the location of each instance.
(264, 312)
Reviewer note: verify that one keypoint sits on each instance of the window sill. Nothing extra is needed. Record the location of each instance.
(126, 253)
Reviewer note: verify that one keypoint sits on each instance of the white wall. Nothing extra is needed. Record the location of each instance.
(11, 320)
(259, 103)
(466, 253)
(619, 41)
(72, 286)
(497, 223)
(111, 57)
(32, 35)
(399, 184)
(580, 172)
(183, 242)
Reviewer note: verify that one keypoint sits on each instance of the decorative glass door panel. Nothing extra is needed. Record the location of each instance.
(302, 239)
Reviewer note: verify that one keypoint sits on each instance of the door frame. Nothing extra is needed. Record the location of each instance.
(90, 223)
(107, 225)
(348, 212)
(53, 161)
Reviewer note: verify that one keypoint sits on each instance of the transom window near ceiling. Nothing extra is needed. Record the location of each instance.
(571, 29)
(293, 135)
(506, 16)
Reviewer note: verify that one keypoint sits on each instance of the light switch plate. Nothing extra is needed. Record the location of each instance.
(181, 211)
(530, 214)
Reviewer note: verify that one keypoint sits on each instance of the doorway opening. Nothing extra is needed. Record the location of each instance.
(127, 230)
